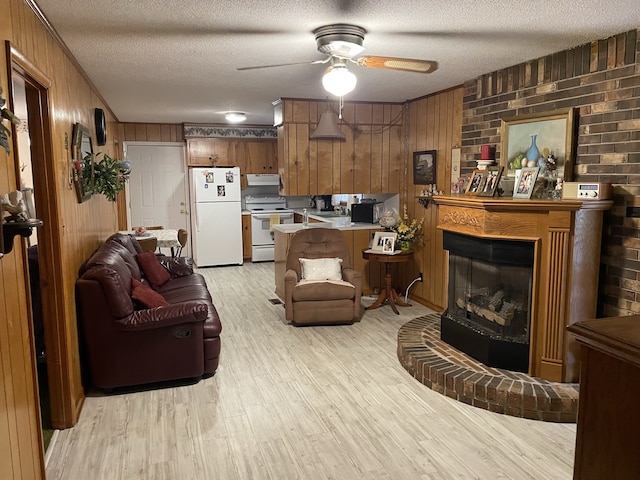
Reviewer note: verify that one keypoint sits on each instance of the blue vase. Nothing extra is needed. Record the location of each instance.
(533, 153)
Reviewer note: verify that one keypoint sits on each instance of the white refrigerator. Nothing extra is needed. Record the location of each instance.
(216, 216)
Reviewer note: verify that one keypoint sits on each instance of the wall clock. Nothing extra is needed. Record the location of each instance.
(101, 127)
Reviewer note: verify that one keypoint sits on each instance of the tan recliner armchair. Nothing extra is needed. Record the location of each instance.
(318, 302)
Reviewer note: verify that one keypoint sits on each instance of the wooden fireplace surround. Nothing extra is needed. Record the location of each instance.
(567, 236)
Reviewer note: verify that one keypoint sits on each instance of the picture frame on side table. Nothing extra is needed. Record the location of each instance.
(380, 244)
(475, 182)
(526, 182)
(388, 244)
(424, 167)
(538, 135)
(490, 181)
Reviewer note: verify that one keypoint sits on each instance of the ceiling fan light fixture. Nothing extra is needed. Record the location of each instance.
(340, 40)
(327, 128)
(235, 117)
(339, 81)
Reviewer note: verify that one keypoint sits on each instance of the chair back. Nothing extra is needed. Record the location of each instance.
(317, 243)
(182, 236)
(155, 227)
(148, 244)
(182, 239)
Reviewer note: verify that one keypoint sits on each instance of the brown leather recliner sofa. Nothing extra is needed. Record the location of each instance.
(127, 343)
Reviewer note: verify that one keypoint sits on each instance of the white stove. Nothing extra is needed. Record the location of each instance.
(266, 211)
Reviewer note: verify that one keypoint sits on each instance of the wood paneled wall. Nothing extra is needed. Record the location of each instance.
(80, 229)
(435, 123)
(368, 160)
(150, 132)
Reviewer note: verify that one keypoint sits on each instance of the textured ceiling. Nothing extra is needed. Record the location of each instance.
(175, 62)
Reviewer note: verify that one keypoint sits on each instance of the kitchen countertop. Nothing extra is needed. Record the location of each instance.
(323, 222)
(294, 227)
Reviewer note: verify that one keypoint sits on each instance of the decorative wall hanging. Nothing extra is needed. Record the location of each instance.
(529, 140)
(82, 154)
(424, 167)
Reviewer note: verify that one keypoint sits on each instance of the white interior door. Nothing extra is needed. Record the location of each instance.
(157, 188)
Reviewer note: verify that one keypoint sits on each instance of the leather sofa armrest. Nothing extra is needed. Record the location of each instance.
(161, 317)
(290, 280)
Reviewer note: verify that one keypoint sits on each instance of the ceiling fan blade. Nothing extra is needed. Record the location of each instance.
(402, 64)
(315, 62)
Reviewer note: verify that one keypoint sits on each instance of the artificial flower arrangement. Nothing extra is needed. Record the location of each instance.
(408, 231)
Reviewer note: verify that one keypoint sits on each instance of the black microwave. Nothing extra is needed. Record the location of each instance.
(367, 212)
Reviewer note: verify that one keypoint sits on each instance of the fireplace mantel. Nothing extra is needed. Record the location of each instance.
(567, 236)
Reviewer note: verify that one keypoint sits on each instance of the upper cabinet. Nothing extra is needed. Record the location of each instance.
(369, 160)
(251, 155)
(258, 156)
(208, 152)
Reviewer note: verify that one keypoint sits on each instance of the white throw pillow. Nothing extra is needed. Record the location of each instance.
(321, 268)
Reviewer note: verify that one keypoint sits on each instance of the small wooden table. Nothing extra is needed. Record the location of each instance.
(388, 293)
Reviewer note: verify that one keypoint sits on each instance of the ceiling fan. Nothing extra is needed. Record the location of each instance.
(342, 44)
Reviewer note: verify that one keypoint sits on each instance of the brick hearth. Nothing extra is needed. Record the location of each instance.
(450, 372)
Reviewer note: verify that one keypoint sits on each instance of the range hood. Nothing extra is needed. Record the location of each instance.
(254, 179)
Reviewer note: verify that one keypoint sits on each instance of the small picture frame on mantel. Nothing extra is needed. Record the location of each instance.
(526, 182)
(475, 182)
(490, 181)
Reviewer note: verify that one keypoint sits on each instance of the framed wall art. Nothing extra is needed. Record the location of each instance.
(424, 167)
(529, 140)
(83, 158)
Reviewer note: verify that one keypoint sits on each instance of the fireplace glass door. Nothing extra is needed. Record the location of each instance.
(488, 313)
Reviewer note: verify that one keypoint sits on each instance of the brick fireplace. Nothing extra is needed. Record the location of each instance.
(564, 240)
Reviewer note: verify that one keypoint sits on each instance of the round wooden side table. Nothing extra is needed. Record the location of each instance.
(388, 293)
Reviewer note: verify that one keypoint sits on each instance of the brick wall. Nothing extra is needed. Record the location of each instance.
(601, 80)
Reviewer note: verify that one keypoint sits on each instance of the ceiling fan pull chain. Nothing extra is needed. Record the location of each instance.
(340, 109)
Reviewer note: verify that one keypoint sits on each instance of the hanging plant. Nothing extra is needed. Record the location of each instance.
(110, 176)
(5, 133)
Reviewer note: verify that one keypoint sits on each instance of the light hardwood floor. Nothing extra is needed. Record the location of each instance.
(302, 403)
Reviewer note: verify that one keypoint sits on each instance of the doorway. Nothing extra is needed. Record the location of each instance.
(157, 189)
(29, 92)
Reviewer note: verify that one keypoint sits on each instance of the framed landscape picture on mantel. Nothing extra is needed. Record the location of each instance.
(528, 140)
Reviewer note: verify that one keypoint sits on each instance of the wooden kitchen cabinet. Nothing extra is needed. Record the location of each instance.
(250, 155)
(214, 152)
(246, 237)
(258, 156)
